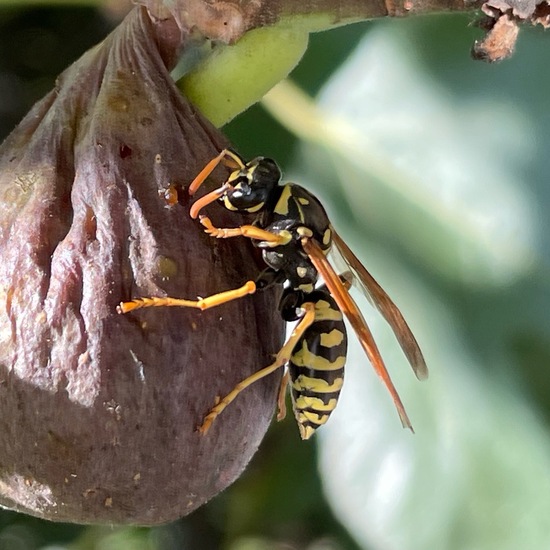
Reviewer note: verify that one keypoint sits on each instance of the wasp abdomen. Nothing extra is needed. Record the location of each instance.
(317, 365)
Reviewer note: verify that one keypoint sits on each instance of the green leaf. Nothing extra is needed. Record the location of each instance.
(440, 170)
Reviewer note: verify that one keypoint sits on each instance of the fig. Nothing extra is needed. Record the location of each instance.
(98, 411)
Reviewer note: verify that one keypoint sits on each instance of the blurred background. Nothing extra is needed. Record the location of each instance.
(433, 168)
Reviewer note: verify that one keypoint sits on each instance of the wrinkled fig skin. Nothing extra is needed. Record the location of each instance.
(98, 410)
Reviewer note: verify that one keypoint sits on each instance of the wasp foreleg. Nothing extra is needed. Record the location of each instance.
(249, 231)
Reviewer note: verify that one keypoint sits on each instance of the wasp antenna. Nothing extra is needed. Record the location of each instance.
(238, 161)
(205, 172)
(208, 198)
(211, 165)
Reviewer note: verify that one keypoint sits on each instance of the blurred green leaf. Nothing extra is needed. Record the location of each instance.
(445, 175)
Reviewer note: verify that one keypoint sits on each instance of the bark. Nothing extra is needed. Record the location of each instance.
(97, 410)
(228, 20)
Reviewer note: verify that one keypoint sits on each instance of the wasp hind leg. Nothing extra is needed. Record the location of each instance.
(281, 403)
(280, 361)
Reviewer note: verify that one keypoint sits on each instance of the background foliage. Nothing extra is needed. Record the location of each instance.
(434, 168)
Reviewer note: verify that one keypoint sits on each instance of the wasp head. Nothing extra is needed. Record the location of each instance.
(252, 185)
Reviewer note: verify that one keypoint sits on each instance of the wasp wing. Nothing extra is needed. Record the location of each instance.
(383, 303)
(346, 304)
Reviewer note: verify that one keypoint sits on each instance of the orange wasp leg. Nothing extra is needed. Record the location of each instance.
(281, 360)
(281, 399)
(202, 303)
(209, 168)
(250, 231)
(352, 312)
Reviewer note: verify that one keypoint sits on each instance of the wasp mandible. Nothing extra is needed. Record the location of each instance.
(295, 235)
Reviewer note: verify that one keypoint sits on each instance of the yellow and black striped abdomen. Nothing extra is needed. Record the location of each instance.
(316, 366)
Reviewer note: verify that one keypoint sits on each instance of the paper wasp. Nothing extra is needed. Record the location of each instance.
(295, 235)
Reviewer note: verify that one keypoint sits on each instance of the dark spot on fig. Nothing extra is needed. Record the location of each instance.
(125, 151)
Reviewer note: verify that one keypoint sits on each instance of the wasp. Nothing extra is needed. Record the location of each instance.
(295, 235)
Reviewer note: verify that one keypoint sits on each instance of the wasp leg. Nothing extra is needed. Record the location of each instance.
(209, 168)
(267, 278)
(282, 359)
(281, 399)
(348, 306)
(202, 303)
(250, 231)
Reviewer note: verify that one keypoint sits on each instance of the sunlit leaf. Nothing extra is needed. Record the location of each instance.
(475, 476)
(451, 182)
